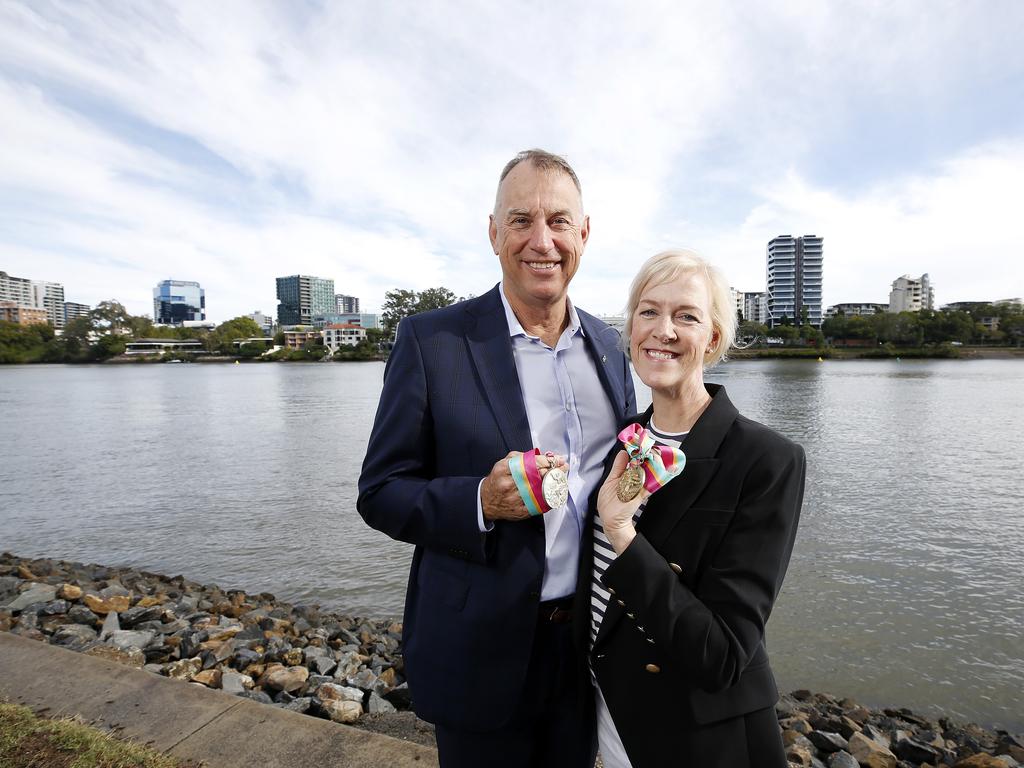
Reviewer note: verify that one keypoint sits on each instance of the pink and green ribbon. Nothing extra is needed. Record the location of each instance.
(660, 462)
(528, 480)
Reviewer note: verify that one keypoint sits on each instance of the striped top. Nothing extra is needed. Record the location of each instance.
(604, 553)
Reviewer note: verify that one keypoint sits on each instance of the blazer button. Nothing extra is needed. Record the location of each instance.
(620, 603)
(631, 615)
(653, 668)
(611, 591)
(675, 567)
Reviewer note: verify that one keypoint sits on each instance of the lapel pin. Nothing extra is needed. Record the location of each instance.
(604, 358)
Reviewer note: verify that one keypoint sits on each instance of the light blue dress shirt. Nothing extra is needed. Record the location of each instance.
(570, 415)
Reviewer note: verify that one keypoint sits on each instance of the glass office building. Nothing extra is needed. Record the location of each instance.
(301, 297)
(177, 301)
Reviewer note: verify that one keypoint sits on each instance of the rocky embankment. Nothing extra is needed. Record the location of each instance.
(350, 670)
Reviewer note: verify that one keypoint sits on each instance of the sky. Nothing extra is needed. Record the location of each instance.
(234, 142)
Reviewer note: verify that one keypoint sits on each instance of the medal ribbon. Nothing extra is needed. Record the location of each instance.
(528, 481)
(660, 462)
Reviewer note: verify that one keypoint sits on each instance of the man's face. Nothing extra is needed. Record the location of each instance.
(538, 231)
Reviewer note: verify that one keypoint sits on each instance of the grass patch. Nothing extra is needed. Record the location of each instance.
(28, 741)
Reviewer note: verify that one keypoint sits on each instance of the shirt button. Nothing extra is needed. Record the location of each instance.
(653, 668)
(568, 407)
(675, 567)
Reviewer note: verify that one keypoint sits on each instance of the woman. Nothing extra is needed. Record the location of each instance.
(682, 581)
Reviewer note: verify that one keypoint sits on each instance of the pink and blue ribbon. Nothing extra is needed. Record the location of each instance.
(660, 462)
(528, 480)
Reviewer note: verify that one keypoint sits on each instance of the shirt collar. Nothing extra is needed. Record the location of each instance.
(515, 328)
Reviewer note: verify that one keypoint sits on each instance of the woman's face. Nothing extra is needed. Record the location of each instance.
(671, 332)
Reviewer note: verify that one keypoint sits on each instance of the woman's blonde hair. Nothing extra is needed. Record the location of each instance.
(667, 266)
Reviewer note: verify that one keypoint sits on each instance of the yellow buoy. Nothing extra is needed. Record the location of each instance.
(821, 360)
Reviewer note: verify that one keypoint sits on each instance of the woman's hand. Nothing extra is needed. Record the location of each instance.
(617, 516)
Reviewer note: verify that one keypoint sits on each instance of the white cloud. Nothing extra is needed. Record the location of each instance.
(233, 142)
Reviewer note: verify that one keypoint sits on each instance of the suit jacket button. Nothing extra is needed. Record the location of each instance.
(620, 603)
(631, 615)
(676, 568)
(653, 668)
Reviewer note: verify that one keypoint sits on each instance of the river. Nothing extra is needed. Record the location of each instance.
(906, 586)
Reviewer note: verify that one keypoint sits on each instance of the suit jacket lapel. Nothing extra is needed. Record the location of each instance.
(490, 348)
(594, 334)
(665, 508)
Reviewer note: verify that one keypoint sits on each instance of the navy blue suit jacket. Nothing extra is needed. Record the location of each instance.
(451, 406)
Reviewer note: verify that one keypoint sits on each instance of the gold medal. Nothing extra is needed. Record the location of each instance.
(630, 483)
(555, 487)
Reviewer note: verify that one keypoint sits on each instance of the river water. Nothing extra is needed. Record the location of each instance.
(906, 586)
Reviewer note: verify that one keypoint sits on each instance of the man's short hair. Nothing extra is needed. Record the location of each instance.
(543, 161)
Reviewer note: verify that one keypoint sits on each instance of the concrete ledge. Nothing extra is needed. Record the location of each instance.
(185, 720)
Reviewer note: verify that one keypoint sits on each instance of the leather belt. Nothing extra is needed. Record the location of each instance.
(556, 611)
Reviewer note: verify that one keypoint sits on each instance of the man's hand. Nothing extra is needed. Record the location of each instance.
(499, 495)
(617, 516)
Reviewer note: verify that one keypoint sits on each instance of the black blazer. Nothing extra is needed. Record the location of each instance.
(450, 407)
(682, 644)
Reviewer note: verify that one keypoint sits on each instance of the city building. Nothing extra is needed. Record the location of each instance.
(755, 307)
(346, 305)
(12, 312)
(35, 294)
(854, 308)
(159, 346)
(911, 295)
(322, 321)
(73, 310)
(298, 338)
(265, 322)
(794, 279)
(369, 320)
(736, 297)
(343, 335)
(301, 297)
(178, 301)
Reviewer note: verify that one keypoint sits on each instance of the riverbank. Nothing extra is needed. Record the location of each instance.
(350, 670)
(943, 352)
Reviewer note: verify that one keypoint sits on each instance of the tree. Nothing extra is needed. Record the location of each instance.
(401, 303)
(111, 314)
(398, 304)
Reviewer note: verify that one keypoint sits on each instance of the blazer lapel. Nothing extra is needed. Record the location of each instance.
(594, 334)
(490, 348)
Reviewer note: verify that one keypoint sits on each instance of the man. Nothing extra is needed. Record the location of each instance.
(487, 647)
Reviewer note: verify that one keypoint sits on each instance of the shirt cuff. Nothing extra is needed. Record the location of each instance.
(485, 526)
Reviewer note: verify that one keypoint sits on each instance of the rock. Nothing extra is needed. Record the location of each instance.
(25, 573)
(110, 625)
(97, 604)
(129, 638)
(914, 751)
(342, 711)
(69, 592)
(82, 615)
(799, 755)
(211, 678)
(287, 678)
(827, 741)
(292, 657)
(259, 696)
(235, 682)
(364, 679)
(400, 697)
(980, 760)
(139, 614)
(54, 608)
(842, 759)
(379, 706)
(324, 665)
(149, 601)
(131, 657)
(184, 669)
(74, 636)
(114, 590)
(37, 593)
(871, 754)
(300, 705)
(334, 692)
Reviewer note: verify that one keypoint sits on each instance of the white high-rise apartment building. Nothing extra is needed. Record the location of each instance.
(910, 294)
(794, 279)
(38, 294)
(755, 307)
